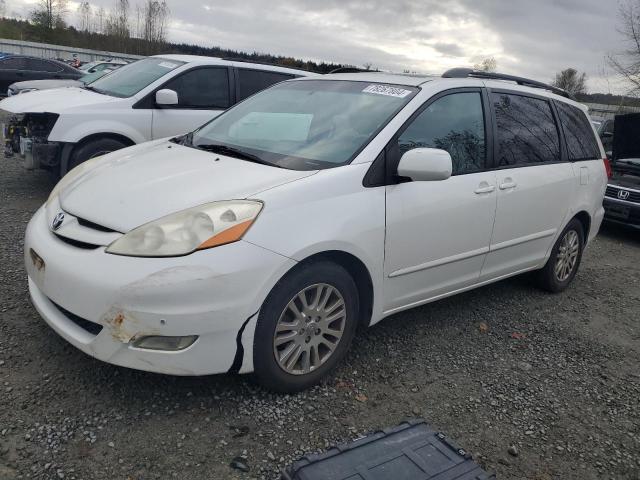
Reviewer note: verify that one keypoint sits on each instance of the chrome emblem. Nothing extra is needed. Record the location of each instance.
(623, 194)
(57, 221)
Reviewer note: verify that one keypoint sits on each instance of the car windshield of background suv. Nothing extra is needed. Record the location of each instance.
(307, 124)
(128, 80)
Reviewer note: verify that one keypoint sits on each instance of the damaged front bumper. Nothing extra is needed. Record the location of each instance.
(27, 135)
(103, 304)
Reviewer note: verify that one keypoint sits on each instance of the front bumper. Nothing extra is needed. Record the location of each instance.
(210, 293)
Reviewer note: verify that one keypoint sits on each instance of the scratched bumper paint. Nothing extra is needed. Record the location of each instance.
(209, 293)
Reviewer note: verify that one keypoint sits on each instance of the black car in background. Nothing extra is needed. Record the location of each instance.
(622, 198)
(18, 68)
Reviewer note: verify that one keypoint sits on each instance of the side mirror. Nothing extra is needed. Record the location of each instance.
(425, 165)
(166, 97)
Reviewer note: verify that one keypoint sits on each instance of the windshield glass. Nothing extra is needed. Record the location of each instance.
(130, 79)
(87, 66)
(307, 125)
(92, 77)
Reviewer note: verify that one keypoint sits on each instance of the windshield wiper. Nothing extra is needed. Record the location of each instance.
(87, 86)
(233, 152)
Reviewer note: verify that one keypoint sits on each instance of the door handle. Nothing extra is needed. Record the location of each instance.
(507, 184)
(485, 189)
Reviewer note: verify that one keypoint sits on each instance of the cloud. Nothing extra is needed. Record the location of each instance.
(535, 39)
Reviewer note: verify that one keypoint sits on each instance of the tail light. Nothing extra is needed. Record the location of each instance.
(607, 167)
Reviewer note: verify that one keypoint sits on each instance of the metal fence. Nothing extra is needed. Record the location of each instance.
(60, 52)
(605, 111)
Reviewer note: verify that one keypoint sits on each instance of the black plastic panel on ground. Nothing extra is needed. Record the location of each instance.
(410, 451)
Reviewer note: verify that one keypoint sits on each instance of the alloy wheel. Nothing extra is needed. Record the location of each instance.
(309, 329)
(567, 256)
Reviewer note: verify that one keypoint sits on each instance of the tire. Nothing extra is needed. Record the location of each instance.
(307, 338)
(549, 278)
(92, 149)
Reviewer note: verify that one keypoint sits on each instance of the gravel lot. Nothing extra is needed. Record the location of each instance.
(555, 376)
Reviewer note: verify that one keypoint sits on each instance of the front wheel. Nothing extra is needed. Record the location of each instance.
(305, 327)
(92, 149)
(565, 258)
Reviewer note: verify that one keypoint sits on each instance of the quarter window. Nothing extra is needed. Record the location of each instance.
(526, 130)
(454, 123)
(252, 81)
(202, 88)
(581, 142)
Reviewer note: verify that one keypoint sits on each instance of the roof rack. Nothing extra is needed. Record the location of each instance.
(258, 62)
(470, 72)
(351, 70)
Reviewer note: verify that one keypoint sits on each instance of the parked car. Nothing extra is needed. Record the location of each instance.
(605, 129)
(18, 68)
(622, 198)
(100, 65)
(152, 98)
(263, 239)
(33, 85)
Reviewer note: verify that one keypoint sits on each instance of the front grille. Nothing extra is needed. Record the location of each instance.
(92, 328)
(612, 192)
(94, 226)
(77, 243)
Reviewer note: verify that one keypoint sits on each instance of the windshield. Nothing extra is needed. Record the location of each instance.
(130, 79)
(307, 125)
(92, 77)
(87, 66)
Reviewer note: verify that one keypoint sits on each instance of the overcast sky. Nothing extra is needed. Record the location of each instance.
(534, 38)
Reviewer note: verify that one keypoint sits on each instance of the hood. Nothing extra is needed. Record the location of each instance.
(44, 84)
(53, 101)
(136, 185)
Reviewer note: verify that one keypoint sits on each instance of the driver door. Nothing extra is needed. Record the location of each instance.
(438, 232)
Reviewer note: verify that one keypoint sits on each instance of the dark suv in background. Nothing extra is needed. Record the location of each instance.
(622, 198)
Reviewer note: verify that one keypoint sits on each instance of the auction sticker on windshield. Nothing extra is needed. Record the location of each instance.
(167, 65)
(387, 90)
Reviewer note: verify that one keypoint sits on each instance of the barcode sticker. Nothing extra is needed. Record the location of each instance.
(387, 90)
(167, 65)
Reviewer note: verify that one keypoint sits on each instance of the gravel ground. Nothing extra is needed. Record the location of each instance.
(536, 386)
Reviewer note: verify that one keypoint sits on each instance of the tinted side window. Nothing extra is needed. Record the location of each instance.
(202, 88)
(14, 63)
(581, 142)
(454, 123)
(526, 130)
(42, 66)
(252, 81)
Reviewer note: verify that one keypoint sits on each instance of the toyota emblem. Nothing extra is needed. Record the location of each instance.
(57, 221)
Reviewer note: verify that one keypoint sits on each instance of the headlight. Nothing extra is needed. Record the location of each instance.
(25, 90)
(71, 176)
(194, 229)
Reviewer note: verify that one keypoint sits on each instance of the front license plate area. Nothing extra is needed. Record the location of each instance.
(618, 211)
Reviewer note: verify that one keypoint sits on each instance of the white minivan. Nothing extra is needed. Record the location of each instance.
(262, 240)
(152, 98)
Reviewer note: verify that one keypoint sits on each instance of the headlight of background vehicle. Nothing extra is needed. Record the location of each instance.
(25, 90)
(184, 232)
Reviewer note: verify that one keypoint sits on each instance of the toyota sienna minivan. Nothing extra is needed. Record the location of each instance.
(262, 240)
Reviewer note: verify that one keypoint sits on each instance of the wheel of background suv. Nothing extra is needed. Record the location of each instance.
(92, 149)
(305, 327)
(564, 261)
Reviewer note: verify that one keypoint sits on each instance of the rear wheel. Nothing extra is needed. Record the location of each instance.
(305, 327)
(565, 258)
(92, 149)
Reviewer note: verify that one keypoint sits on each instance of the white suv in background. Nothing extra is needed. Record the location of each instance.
(152, 98)
(263, 239)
